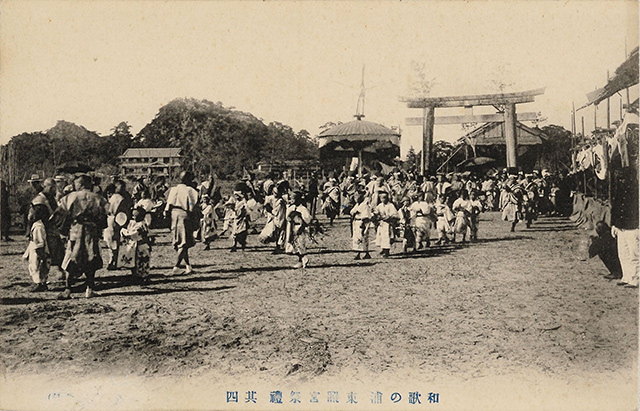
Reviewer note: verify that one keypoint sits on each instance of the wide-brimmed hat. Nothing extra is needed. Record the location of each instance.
(34, 178)
(59, 178)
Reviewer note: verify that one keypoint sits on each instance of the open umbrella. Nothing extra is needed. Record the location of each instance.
(74, 167)
(476, 162)
(358, 136)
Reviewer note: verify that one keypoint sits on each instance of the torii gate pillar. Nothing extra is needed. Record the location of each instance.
(427, 139)
(510, 135)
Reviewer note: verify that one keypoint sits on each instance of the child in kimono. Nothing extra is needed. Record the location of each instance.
(37, 253)
(360, 221)
(229, 214)
(332, 200)
(240, 224)
(207, 222)
(405, 226)
(275, 208)
(136, 250)
(298, 218)
(386, 215)
(462, 207)
(423, 213)
(444, 217)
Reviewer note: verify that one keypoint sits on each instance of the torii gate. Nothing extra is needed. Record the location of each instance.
(509, 117)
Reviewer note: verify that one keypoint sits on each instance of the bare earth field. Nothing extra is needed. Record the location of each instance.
(514, 321)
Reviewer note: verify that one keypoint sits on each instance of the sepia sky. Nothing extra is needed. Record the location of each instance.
(300, 63)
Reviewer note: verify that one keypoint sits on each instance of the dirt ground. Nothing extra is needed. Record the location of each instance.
(523, 303)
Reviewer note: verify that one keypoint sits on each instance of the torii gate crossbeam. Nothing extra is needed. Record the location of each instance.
(509, 116)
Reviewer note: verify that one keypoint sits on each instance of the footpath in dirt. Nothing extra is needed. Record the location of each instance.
(512, 308)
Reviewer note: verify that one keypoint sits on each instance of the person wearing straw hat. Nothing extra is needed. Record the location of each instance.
(61, 183)
(36, 185)
(35, 182)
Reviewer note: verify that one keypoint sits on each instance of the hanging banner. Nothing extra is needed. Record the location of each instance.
(600, 162)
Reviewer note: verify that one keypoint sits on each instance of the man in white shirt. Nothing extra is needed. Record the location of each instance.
(182, 206)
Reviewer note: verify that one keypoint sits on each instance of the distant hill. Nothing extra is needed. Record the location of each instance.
(220, 139)
(43, 152)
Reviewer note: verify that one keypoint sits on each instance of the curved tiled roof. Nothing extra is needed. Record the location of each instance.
(359, 130)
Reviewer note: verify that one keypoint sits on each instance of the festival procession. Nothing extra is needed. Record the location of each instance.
(212, 240)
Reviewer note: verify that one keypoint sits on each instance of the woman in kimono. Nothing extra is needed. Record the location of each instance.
(240, 226)
(298, 218)
(119, 214)
(268, 232)
(477, 206)
(360, 221)
(386, 215)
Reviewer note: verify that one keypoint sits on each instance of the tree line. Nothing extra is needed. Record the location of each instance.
(211, 137)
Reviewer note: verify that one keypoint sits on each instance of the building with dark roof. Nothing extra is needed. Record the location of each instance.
(489, 140)
(151, 161)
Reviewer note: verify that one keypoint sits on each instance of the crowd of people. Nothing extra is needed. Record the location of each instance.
(69, 217)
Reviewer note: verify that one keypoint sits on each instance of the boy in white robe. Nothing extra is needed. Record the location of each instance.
(386, 215)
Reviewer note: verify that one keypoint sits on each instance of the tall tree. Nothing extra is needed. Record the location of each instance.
(413, 159)
(555, 151)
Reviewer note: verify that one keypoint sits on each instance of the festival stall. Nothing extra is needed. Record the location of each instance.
(599, 162)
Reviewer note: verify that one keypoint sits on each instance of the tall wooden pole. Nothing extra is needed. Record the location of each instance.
(573, 136)
(510, 135)
(427, 139)
(607, 175)
(583, 128)
(621, 109)
(360, 163)
(608, 106)
(628, 99)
